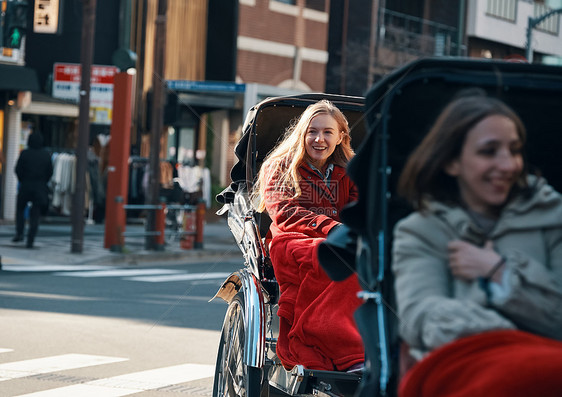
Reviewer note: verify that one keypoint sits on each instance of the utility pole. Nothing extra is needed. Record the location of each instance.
(158, 90)
(86, 55)
(345, 22)
(530, 26)
(377, 9)
(460, 31)
(373, 41)
(299, 44)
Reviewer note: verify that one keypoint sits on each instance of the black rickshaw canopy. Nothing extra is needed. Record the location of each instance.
(266, 123)
(399, 110)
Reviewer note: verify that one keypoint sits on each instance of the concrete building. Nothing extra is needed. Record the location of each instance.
(369, 38)
(283, 43)
(221, 57)
(29, 104)
(267, 48)
(498, 29)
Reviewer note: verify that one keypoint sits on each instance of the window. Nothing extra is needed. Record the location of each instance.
(550, 24)
(318, 5)
(505, 9)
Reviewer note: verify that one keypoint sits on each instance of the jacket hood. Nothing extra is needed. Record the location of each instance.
(541, 209)
(35, 140)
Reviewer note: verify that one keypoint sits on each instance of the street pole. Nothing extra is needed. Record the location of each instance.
(529, 46)
(532, 22)
(86, 55)
(158, 90)
(373, 40)
(460, 31)
(344, 29)
(376, 14)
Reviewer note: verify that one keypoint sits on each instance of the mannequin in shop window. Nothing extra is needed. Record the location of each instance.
(34, 170)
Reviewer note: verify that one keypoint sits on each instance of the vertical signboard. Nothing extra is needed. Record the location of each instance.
(46, 16)
(66, 85)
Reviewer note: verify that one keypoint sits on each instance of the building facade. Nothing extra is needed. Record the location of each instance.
(254, 49)
(369, 39)
(33, 107)
(498, 29)
(223, 56)
(283, 43)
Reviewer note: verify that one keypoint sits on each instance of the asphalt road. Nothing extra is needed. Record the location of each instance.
(111, 331)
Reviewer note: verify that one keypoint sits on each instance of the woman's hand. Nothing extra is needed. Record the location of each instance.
(469, 262)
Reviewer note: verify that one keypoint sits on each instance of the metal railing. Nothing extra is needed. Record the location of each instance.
(149, 207)
(175, 221)
(405, 33)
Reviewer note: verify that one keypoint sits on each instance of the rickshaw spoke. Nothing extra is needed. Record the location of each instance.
(232, 370)
(238, 351)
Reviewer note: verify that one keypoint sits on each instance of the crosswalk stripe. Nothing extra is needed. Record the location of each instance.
(132, 383)
(5, 350)
(119, 273)
(21, 369)
(180, 277)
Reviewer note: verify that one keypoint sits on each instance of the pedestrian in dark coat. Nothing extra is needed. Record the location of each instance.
(34, 169)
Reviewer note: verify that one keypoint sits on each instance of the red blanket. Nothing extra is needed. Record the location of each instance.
(317, 328)
(499, 363)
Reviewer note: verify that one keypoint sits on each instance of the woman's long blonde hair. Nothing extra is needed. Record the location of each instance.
(283, 161)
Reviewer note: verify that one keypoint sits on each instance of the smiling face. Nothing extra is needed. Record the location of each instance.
(489, 165)
(321, 139)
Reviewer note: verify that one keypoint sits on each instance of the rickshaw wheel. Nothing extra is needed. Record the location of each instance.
(232, 376)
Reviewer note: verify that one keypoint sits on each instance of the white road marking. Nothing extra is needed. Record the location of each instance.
(132, 383)
(180, 277)
(21, 369)
(119, 273)
(5, 350)
(20, 294)
(48, 267)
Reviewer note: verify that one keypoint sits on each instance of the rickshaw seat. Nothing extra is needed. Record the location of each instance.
(264, 222)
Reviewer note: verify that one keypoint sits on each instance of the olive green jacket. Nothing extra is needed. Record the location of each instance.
(434, 308)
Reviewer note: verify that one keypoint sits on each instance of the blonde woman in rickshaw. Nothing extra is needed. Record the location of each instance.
(478, 265)
(303, 186)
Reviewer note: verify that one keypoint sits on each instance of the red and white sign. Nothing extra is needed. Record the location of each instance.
(66, 85)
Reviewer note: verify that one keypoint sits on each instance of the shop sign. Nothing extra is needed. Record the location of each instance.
(46, 16)
(205, 86)
(66, 85)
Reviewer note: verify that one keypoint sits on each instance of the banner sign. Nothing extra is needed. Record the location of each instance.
(205, 86)
(66, 85)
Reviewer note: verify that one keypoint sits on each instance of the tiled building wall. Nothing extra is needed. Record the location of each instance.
(281, 44)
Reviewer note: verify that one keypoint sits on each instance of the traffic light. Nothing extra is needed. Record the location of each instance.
(15, 23)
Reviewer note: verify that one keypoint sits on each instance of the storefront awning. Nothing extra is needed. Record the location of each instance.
(46, 105)
(18, 78)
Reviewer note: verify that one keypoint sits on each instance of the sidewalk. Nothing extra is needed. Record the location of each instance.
(53, 245)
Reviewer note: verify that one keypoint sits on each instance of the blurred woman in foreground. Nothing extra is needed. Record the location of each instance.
(478, 266)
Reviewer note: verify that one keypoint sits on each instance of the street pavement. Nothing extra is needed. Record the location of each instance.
(52, 247)
(108, 324)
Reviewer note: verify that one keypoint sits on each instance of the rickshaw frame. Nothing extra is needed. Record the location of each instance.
(254, 287)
